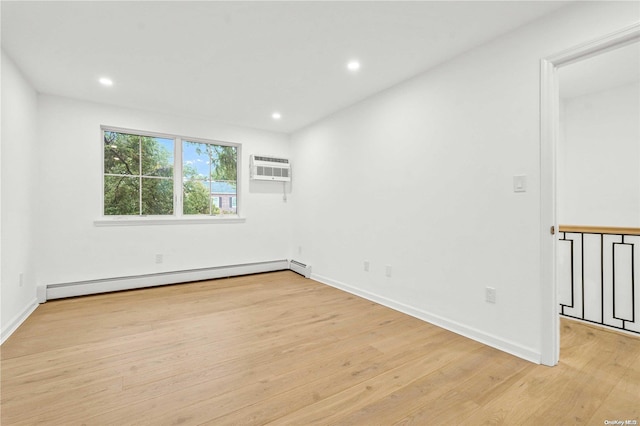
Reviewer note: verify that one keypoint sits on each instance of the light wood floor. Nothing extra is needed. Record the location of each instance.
(277, 348)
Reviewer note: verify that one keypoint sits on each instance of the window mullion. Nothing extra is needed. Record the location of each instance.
(177, 178)
(140, 175)
(210, 182)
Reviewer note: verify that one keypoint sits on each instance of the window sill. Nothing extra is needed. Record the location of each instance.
(142, 221)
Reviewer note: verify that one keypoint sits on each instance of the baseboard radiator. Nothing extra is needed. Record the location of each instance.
(83, 288)
(300, 268)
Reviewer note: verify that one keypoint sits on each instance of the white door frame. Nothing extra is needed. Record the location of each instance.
(549, 129)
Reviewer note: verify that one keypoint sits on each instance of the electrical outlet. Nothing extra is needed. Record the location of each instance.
(299, 249)
(21, 281)
(490, 294)
(388, 270)
(366, 266)
(159, 258)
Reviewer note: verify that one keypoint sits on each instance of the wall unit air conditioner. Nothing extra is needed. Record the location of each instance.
(264, 167)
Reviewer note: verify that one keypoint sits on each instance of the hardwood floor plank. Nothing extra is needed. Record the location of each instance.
(52, 407)
(297, 390)
(277, 348)
(622, 403)
(279, 375)
(339, 406)
(448, 395)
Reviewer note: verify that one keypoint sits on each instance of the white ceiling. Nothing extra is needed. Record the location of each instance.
(237, 62)
(615, 68)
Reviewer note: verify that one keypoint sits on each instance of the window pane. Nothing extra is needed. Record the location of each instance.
(121, 195)
(157, 156)
(157, 196)
(209, 176)
(121, 153)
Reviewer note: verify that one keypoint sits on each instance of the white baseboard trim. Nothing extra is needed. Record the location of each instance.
(13, 325)
(83, 288)
(453, 326)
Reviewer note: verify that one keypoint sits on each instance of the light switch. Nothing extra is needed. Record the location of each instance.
(520, 183)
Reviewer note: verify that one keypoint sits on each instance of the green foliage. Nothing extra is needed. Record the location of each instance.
(121, 195)
(157, 196)
(225, 163)
(141, 165)
(197, 199)
(121, 154)
(223, 160)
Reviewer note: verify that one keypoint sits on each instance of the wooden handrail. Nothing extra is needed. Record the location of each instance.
(599, 230)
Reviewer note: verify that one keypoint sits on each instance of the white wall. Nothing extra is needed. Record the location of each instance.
(19, 175)
(419, 177)
(71, 248)
(599, 159)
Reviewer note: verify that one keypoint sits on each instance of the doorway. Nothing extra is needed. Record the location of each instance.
(598, 189)
(550, 136)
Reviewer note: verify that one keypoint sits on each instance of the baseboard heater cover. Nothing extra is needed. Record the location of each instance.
(300, 268)
(82, 288)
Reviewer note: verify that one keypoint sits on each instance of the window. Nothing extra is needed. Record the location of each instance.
(216, 202)
(159, 175)
(208, 169)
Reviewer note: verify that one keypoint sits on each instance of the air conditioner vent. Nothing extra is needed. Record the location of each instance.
(270, 168)
(270, 159)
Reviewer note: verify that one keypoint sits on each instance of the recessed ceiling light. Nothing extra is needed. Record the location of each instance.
(353, 66)
(106, 81)
(276, 116)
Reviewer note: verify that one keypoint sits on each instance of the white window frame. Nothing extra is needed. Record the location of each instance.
(178, 217)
